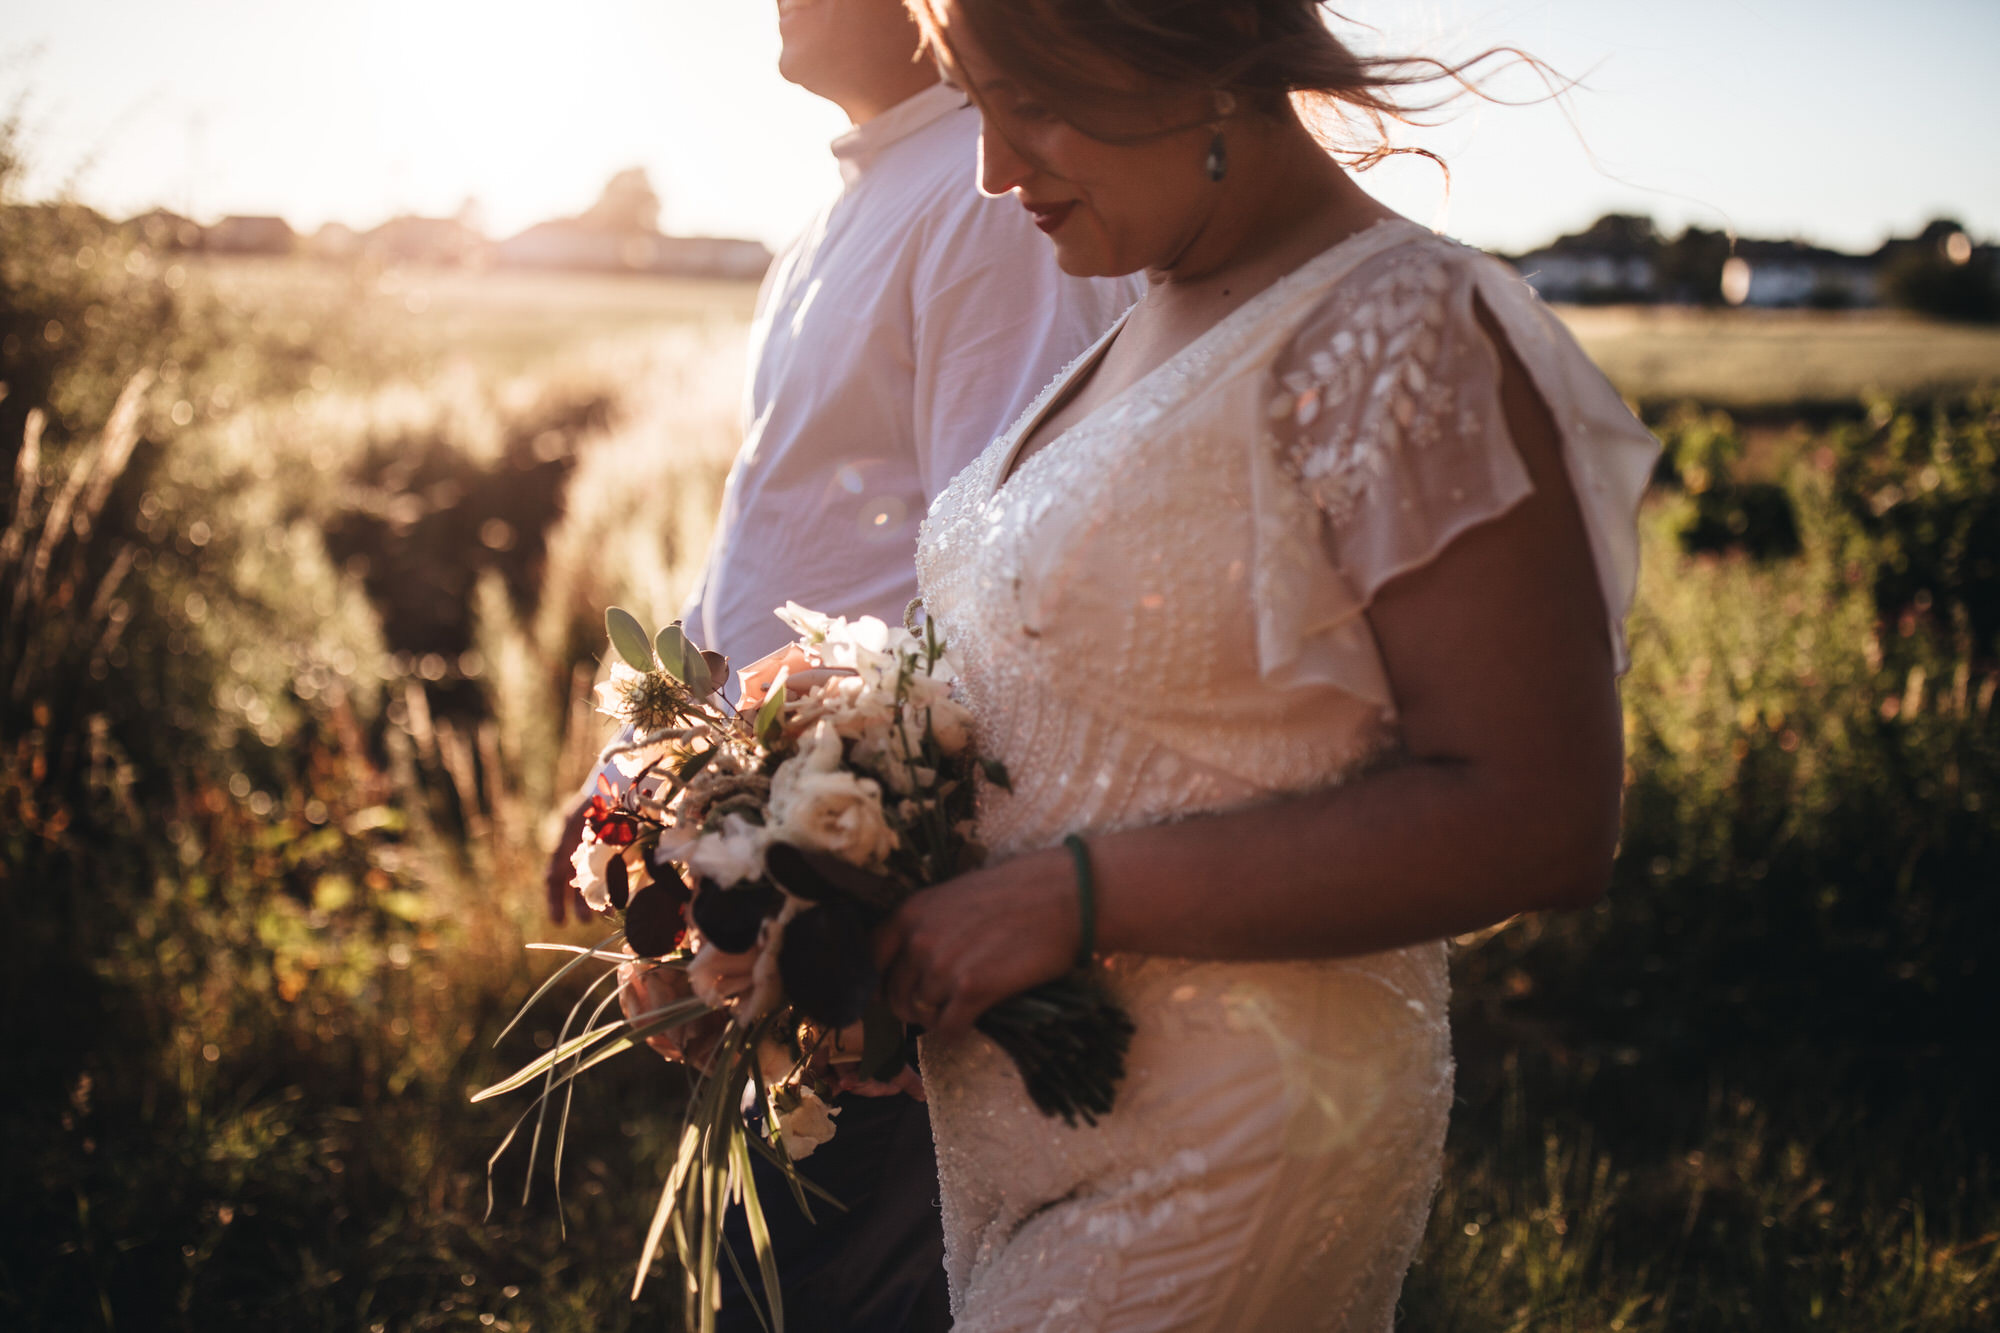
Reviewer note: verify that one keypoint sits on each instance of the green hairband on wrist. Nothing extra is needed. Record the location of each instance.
(1086, 899)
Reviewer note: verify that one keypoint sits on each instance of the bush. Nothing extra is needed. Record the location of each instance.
(1926, 281)
(247, 980)
(1717, 511)
(1752, 1088)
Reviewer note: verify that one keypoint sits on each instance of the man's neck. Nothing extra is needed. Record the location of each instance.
(894, 86)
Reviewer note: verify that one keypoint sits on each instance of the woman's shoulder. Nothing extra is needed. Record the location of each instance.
(1409, 271)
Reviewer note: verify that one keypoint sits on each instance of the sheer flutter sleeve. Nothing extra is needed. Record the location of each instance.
(1383, 439)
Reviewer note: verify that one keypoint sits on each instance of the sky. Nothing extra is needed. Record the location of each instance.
(1831, 120)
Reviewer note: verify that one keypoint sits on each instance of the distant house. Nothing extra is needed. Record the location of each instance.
(1615, 259)
(620, 233)
(714, 257)
(1793, 273)
(572, 243)
(415, 240)
(582, 245)
(334, 240)
(164, 231)
(251, 236)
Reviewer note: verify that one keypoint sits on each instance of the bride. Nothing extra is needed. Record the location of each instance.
(1298, 598)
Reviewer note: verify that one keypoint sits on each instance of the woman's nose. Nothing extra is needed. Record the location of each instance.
(1000, 167)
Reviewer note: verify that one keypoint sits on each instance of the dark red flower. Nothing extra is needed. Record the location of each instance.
(613, 825)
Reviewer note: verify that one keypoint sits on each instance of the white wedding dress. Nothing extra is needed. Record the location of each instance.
(1162, 614)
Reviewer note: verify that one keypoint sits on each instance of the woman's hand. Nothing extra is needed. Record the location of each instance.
(953, 951)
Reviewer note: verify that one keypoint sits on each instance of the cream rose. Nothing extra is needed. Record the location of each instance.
(819, 805)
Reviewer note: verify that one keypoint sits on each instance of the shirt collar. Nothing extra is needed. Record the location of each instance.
(858, 148)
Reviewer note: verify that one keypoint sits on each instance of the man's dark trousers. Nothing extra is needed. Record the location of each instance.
(876, 1268)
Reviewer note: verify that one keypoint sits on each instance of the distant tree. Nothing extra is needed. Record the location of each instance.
(1690, 267)
(628, 203)
(1623, 233)
(1943, 275)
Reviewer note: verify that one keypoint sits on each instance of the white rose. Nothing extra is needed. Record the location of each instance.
(815, 803)
(807, 1124)
(732, 854)
(589, 860)
(807, 624)
(854, 707)
(861, 645)
(611, 692)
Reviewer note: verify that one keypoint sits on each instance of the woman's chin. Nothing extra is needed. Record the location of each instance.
(1081, 259)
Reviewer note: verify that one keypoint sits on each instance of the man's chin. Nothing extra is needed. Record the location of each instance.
(796, 64)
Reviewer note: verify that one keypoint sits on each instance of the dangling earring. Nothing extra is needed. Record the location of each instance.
(1217, 163)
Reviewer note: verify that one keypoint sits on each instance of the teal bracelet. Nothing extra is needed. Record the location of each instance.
(1086, 899)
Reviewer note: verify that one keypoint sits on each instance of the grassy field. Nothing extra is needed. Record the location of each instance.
(1741, 360)
(1774, 361)
(284, 716)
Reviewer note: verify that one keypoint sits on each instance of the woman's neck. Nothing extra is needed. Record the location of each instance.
(1289, 202)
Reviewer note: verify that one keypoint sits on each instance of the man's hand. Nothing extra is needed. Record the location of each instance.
(556, 878)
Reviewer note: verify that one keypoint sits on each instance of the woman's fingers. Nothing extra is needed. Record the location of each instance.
(940, 959)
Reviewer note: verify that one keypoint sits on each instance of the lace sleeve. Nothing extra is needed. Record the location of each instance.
(1383, 428)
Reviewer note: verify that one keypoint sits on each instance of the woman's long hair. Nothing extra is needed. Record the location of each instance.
(1265, 54)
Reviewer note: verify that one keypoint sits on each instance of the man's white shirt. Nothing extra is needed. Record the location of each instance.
(909, 326)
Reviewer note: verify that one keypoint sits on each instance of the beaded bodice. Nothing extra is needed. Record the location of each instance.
(1161, 611)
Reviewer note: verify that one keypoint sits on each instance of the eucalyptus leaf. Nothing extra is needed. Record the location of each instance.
(718, 668)
(629, 637)
(674, 651)
(683, 661)
(697, 678)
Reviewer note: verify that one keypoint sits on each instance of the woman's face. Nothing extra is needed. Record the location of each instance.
(1110, 207)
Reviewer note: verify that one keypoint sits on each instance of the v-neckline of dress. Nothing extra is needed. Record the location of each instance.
(1012, 465)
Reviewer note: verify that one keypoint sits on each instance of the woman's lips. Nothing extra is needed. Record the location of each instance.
(1051, 216)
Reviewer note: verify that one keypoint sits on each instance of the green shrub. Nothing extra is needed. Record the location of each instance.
(1927, 281)
(1753, 1087)
(246, 983)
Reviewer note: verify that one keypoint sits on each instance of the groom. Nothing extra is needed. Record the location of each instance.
(892, 342)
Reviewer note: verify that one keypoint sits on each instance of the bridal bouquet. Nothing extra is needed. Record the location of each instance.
(750, 852)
